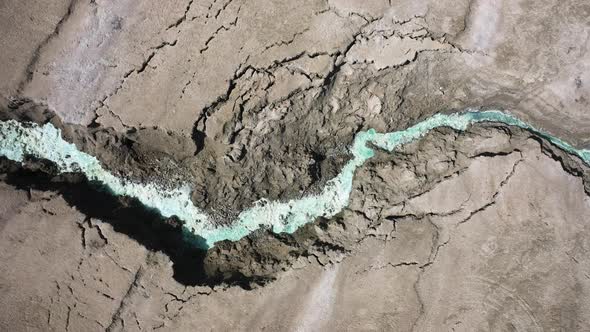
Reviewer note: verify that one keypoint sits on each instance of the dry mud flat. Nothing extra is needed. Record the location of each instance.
(479, 230)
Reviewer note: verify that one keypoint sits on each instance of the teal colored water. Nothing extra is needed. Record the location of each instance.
(18, 140)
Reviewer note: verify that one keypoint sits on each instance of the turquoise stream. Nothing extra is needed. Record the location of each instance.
(18, 140)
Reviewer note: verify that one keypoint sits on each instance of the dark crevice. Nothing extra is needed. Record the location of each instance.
(315, 169)
(182, 18)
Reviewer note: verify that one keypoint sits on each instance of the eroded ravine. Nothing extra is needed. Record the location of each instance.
(21, 140)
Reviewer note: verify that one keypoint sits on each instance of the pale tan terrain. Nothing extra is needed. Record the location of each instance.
(486, 230)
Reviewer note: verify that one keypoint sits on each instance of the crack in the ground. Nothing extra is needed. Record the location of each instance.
(388, 265)
(138, 70)
(218, 12)
(31, 66)
(119, 310)
(285, 42)
(496, 194)
(182, 19)
(231, 25)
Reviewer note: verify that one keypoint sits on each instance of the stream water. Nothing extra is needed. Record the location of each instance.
(19, 140)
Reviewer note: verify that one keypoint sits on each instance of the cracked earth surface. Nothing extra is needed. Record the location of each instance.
(483, 230)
